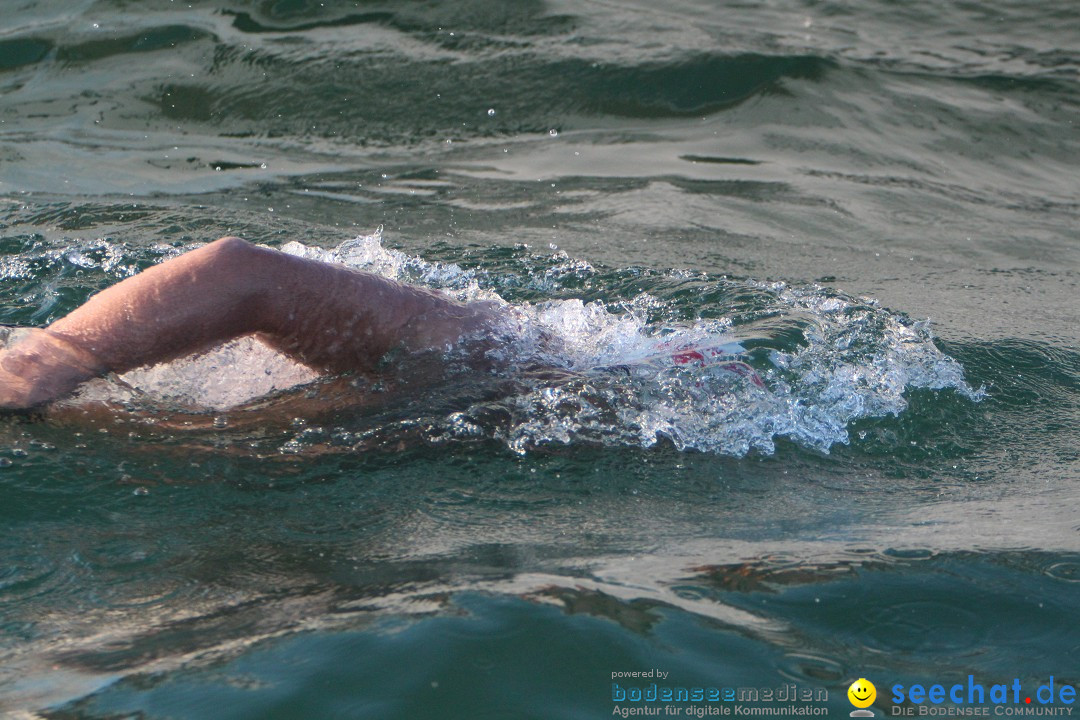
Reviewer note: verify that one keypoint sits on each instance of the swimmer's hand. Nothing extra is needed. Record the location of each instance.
(42, 366)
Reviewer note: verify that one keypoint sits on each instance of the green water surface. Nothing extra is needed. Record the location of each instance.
(382, 564)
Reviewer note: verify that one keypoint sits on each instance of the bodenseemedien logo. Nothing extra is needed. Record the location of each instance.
(861, 694)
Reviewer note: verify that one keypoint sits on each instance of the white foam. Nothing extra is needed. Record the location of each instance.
(230, 375)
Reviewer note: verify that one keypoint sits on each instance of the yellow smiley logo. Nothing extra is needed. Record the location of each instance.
(862, 693)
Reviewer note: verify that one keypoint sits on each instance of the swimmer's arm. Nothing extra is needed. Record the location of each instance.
(326, 316)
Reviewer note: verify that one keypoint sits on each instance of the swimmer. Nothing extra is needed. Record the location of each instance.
(328, 317)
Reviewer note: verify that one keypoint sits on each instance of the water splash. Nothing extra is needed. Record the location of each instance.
(237, 372)
(849, 360)
(834, 359)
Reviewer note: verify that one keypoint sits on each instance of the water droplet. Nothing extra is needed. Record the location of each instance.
(141, 490)
(6, 462)
(96, 26)
(262, 166)
(553, 132)
(491, 112)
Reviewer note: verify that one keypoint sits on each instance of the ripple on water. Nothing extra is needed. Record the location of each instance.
(25, 577)
(939, 626)
(812, 669)
(1065, 570)
(464, 505)
(908, 554)
(131, 570)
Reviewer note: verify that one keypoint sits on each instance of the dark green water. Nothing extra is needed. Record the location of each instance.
(815, 179)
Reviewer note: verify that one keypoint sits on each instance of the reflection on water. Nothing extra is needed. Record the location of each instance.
(818, 621)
